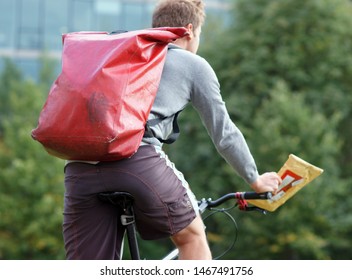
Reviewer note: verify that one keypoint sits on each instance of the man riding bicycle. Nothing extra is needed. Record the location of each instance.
(164, 204)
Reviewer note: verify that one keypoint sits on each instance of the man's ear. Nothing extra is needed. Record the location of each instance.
(189, 28)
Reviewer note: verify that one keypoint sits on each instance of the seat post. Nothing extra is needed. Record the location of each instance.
(124, 201)
(128, 220)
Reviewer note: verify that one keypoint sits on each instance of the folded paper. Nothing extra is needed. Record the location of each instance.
(295, 174)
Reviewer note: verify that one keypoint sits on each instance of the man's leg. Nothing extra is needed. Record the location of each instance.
(192, 242)
(91, 228)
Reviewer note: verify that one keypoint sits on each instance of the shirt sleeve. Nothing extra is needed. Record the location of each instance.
(227, 138)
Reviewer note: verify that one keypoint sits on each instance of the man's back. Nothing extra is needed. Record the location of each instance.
(188, 78)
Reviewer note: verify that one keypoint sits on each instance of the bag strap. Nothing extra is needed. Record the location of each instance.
(149, 133)
(117, 32)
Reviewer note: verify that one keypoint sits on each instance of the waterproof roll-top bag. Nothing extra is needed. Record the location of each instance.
(98, 106)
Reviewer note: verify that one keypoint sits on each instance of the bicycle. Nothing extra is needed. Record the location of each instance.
(124, 201)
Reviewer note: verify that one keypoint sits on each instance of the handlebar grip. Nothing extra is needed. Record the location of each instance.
(255, 195)
(208, 203)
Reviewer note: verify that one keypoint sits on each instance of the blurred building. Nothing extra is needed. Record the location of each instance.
(30, 27)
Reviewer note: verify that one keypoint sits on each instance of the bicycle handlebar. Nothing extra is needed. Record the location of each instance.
(241, 200)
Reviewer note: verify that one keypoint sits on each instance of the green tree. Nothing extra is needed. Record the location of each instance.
(303, 228)
(284, 69)
(30, 180)
(285, 74)
(304, 43)
(8, 78)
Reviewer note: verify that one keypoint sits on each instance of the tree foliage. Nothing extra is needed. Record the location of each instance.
(306, 44)
(31, 181)
(285, 73)
(284, 69)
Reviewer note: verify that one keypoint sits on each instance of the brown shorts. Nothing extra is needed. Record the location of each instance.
(163, 202)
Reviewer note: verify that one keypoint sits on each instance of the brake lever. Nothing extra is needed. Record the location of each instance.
(254, 208)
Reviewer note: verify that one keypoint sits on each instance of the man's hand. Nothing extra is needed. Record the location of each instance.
(267, 182)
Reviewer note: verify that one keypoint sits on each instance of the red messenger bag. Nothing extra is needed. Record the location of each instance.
(98, 106)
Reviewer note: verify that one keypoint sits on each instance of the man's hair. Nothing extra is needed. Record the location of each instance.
(179, 13)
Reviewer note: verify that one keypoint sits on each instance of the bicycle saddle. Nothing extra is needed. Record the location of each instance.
(116, 198)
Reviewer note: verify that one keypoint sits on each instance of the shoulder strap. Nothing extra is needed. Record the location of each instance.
(175, 129)
(173, 46)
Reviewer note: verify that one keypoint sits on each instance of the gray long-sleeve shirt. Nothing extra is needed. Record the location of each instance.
(188, 78)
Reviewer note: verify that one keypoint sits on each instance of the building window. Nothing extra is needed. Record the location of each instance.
(81, 16)
(8, 24)
(30, 15)
(134, 15)
(55, 23)
(108, 13)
